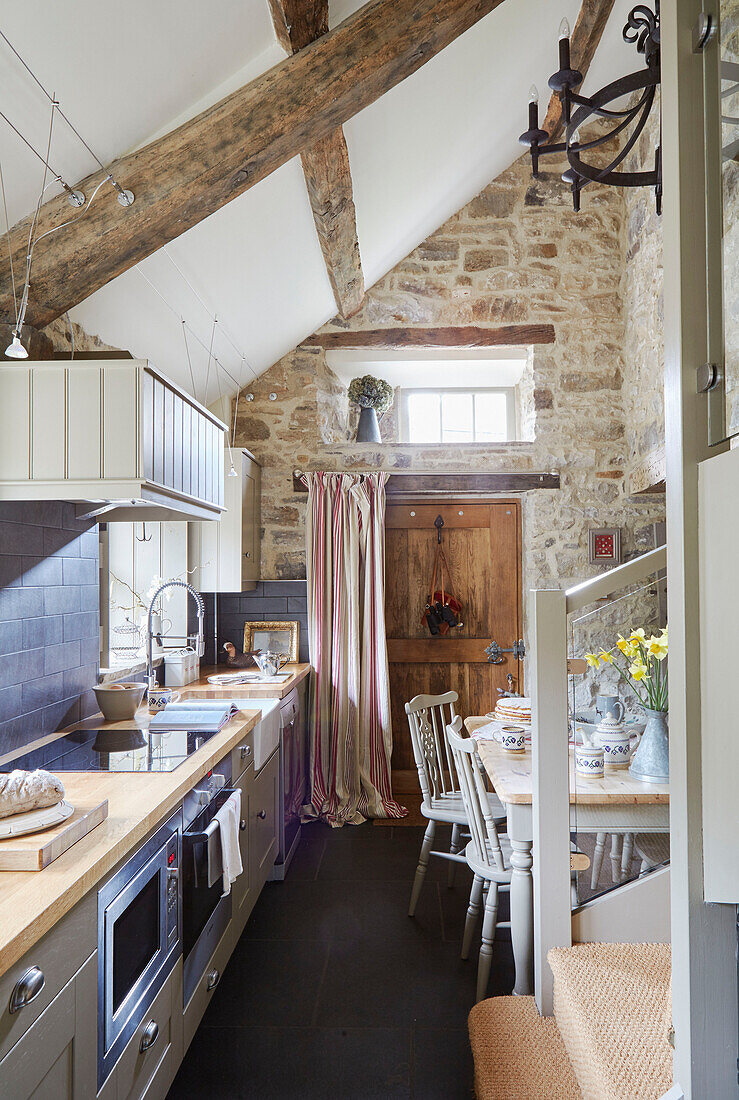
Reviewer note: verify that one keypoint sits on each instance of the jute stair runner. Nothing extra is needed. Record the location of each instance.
(518, 1054)
(613, 1008)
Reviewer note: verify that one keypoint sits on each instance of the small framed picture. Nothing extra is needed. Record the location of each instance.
(604, 545)
(281, 637)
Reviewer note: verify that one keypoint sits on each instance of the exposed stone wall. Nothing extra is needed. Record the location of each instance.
(643, 305)
(516, 253)
(59, 334)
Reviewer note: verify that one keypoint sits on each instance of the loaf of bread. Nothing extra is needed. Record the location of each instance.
(23, 791)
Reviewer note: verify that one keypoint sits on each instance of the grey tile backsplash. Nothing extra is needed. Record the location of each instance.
(49, 619)
(270, 600)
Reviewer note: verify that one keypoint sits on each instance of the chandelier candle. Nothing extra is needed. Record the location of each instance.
(643, 30)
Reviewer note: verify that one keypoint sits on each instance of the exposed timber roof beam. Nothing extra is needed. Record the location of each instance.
(188, 174)
(453, 336)
(586, 35)
(326, 166)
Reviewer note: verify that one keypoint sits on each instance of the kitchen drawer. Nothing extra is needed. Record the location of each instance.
(205, 988)
(264, 796)
(56, 1057)
(149, 1073)
(58, 956)
(242, 756)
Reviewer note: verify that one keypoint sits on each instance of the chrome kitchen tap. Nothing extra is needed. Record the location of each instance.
(151, 679)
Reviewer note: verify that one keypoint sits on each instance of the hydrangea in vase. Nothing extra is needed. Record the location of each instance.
(374, 397)
(641, 663)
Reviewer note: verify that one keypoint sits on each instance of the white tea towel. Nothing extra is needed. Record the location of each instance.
(228, 818)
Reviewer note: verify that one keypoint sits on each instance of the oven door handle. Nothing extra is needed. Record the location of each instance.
(211, 839)
(201, 836)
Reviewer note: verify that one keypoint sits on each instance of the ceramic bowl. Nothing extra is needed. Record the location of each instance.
(119, 701)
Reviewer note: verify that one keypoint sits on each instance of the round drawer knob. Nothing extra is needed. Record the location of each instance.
(245, 751)
(247, 554)
(149, 1035)
(26, 989)
(262, 814)
(242, 825)
(214, 978)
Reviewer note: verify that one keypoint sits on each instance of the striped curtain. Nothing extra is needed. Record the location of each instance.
(351, 734)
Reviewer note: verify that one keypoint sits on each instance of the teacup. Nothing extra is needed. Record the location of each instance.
(513, 738)
(159, 698)
(589, 761)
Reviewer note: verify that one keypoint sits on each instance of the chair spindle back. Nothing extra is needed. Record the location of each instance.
(474, 794)
(428, 716)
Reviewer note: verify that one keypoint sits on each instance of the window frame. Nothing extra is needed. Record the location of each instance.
(511, 395)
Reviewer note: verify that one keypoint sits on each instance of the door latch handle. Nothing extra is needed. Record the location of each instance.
(494, 653)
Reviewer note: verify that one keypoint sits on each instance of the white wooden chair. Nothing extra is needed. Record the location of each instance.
(487, 857)
(442, 797)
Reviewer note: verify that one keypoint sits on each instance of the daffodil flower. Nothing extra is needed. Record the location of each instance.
(605, 657)
(637, 671)
(592, 660)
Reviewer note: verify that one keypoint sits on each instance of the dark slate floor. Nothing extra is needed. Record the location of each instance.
(334, 992)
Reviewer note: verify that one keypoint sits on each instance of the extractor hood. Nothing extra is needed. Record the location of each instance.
(113, 435)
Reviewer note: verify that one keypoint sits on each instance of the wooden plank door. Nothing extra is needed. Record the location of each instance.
(482, 543)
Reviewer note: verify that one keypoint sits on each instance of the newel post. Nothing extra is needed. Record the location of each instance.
(550, 777)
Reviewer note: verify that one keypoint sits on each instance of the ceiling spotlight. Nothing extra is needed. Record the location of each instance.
(248, 397)
(76, 198)
(273, 397)
(15, 350)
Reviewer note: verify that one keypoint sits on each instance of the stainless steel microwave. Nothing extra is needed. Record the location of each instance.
(139, 938)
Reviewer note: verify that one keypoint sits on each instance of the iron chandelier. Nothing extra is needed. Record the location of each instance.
(641, 29)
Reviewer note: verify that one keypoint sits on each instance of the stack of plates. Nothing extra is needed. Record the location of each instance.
(515, 711)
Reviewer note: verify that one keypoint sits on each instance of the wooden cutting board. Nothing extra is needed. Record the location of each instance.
(35, 851)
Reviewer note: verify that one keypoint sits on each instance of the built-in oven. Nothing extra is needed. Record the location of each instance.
(139, 924)
(206, 912)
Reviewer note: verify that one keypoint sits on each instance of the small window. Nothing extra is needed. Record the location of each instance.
(458, 416)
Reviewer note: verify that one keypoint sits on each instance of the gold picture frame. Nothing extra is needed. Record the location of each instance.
(280, 637)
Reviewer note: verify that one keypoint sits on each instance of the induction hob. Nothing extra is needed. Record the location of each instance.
(105, 750)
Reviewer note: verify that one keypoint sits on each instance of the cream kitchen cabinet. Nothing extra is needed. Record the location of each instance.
(225, 556)
(264, 797)
(114, 435)
(56, 1059)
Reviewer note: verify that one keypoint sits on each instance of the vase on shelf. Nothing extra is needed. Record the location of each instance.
(651, 761)
(368, 429)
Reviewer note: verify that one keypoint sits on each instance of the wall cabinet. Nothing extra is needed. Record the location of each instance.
(56, 1058)
(116, 434)
(225, 556)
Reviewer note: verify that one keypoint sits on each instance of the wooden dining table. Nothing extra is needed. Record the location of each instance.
(617, 803)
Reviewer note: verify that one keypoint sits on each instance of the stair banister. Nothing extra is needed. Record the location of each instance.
(631, 572)
(550, 756)
(550, 785)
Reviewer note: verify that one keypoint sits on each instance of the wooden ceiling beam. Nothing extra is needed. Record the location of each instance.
(190, 173)
(326, 169)
(586, 35)
(453, 336)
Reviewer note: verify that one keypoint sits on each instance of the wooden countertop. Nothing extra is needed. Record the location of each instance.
(204, 690)
(31, 902)
(510, 774)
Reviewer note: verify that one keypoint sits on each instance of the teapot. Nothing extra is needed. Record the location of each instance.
(269, 663)
(615, 740)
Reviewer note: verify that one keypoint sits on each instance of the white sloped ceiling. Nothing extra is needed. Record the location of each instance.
(124, 75)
